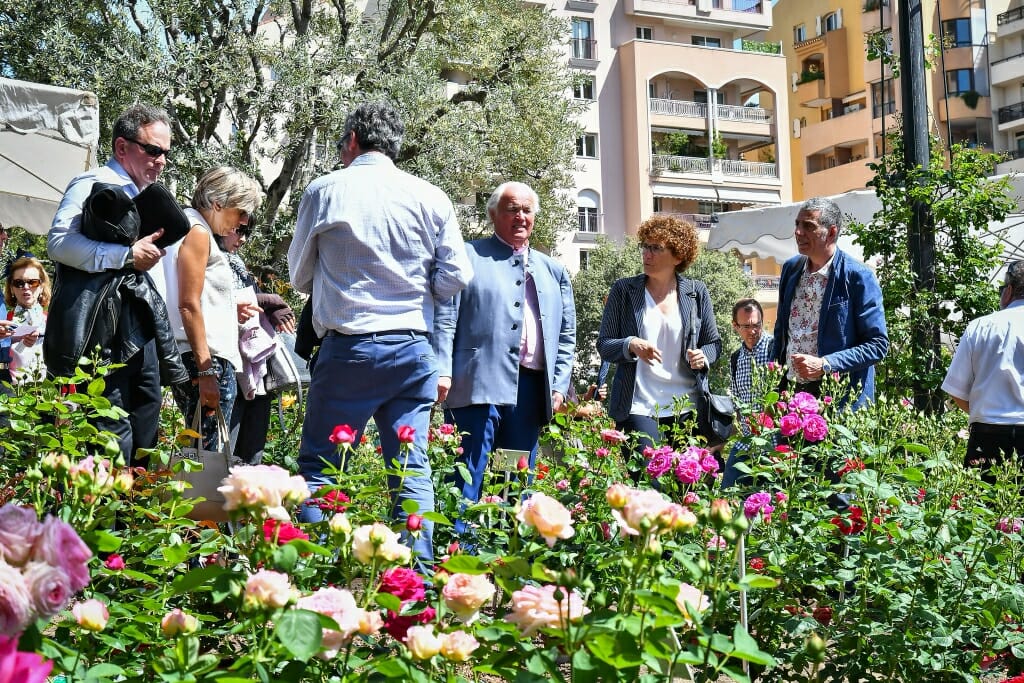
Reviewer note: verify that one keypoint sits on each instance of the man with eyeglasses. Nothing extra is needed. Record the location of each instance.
(141, 143)
(986, 378)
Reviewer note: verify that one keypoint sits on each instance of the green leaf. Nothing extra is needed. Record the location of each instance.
(103, 670)
(437, 518)
(410, 506)
(748, 649)
(912, 474)
(186, 583)
(388, 601)
(299, 631)
(102, 541)
(465, 564)
(174, 554)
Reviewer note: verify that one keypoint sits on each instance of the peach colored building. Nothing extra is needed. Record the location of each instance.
(676, 121)
(1007, 78)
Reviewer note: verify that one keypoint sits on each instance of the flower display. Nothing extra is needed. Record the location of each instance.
(534, 608)
(263, 490)
(92, 615)
(457, 646)
(21, 667)
(465, 594)
(758, 504)
(550, 518)
(339, 605)
(268, 590)
(422, 642)
(378, 541)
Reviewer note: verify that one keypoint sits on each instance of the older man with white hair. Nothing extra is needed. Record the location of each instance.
(505, 343)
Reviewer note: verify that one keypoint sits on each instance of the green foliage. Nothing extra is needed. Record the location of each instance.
(722, 273)
(761, 46)
(719, 148)
(266, 86)
(809, 76)
(963, 202)
(675, 144)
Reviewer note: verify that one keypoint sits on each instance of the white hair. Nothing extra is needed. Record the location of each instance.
(492, 201)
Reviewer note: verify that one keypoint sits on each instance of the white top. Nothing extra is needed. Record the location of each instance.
(658, 384)
(220, 315)
(986, 368)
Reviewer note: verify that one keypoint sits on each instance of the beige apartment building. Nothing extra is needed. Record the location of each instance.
(1007, 78)
(677, 121)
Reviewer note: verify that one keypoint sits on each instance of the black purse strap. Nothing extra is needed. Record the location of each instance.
(694, 335)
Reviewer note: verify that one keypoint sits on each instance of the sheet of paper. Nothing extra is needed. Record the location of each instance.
(22, 331)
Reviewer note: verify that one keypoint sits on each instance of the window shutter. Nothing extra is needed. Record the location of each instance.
(817, 26)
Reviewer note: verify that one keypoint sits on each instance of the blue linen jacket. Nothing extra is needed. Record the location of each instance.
(623, 319)
(852, 335)
(477, 333)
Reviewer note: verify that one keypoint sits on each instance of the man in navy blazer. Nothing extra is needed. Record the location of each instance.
(505, 343)
(830, 315)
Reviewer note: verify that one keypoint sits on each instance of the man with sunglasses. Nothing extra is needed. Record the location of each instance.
(986, 378)
(141, 143)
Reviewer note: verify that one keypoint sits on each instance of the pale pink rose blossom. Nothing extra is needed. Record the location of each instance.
(378, 541)
(465, 594)
(613, 436)
(48, 586)
(339, 605)
(492, 499)
(15, 601)
(641, 504)
(690, 601)
(178, 623)
(534, 608)
(268, 590)
(617, 495)
(457, 646)
(58, 545)
(370, 623)
(92, 615)
(19, 528)
(422, 642)
(263, 489)
(550, 518)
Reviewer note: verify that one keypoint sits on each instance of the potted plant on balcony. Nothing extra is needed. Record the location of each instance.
(970, 98)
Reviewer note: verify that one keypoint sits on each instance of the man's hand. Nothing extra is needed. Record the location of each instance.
(807, 366)
(556, 401)
(641, 348)
(209, 391)
(444, 385)
(145, 253)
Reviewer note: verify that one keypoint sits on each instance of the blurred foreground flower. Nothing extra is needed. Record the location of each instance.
(21, 667)
(534, 608)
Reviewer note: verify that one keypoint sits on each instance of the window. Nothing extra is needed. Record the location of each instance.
(705, 41)
(588, 211)
(799, 33)
(584, 90)
(583, 44)
(644, 33)
(1020, 145)
(883, 99)
(584, 259)
(652, 91)
(702, 96)
(658, 201)
(832, 22)
(708, 208)
(956, 33)
(586, 145)
(959, 81)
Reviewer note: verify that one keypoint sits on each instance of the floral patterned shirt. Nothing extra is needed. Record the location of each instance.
(806, 312)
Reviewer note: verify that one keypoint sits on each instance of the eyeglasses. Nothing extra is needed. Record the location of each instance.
(33, 283)
(751, 326)
(154, 151)
(653, 248)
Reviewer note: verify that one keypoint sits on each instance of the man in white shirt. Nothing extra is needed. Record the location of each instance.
(376, 247)
(985, 377)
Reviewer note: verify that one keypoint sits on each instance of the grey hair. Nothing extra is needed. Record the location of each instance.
(378, 128)
(135, 117)
(1015, 278)
(492, 201)
(829, 213)
(228, 187)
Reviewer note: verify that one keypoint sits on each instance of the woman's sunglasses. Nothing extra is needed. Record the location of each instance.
(33, 283)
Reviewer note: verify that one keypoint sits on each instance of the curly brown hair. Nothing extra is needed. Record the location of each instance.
(21, 264)
(678, 235)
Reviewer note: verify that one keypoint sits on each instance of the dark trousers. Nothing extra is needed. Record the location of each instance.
(250, 422)
(187, 398)
(990, 444)
(135, 388)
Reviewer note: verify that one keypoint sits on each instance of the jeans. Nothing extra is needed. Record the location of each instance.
(492, 426)
(135, 388)
(391, 377)
(187, 398)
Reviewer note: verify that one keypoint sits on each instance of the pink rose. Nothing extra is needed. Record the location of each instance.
(661, 462)
(406, 434)
(403, 583)
(760, 502)
(457, 646)
(535, 608)
(19, 528)
(790, 424)
(613, 436)
(465, 594)
(562, 484)
(60, 546)
(343, 434)
(92, 615)
(339, 605)
(710, 465)
(422, 642)
(691, 601)
(803, 403)
(640, 505)
(601, 452)
(15, 601)
(48, 587)
(549, 517)
(263, 489)
(815, 428)
(177, 623)
(688, 469)
(268, 590)
(765, 420)
(21, 667)
(114, 563)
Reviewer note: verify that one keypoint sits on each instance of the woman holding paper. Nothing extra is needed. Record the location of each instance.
(27, 294)
(200, 296)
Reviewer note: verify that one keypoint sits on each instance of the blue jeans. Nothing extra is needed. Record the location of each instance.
(187, 398)
(391, 377)
(492, 426)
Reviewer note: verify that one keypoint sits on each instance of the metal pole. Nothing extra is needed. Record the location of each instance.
(741, 556)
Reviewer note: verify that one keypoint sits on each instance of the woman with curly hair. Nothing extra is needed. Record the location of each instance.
(645, 329)
(27, 294)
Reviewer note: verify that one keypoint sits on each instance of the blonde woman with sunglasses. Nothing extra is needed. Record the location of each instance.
(27, 294)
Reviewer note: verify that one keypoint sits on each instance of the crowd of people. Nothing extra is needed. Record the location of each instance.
(406, 315)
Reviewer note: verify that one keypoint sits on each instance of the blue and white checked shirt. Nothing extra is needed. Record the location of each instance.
(742, 384)
(376, 246)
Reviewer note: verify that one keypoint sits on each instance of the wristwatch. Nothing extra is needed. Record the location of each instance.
(208, 372)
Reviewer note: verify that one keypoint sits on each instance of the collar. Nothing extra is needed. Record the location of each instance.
(518, 252)
(761, 341)
(372, 158)
(115, 166)
(1016, 303)
(824, 270)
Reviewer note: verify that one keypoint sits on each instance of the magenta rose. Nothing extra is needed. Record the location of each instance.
(15, 601)
(403, 583)
(760, 502)
(688, 469)
(815, 428)
(790, 424)
(710, 465)
(19, 528)
(660, 462)
(21, 667)
(803, 403)
(60, 546)
(48, 587)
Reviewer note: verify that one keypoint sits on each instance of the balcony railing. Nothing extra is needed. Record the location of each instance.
(701, 221)
(767, 281)
(731, 112)
(1006, 59)
(702, 165)
(1011, 113)
(1012, 15)
(584, 48)
(752, 6)
(697, 110)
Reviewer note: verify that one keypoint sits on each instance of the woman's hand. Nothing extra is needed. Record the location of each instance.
(247, 310)
(209, 391)
(696, 359)
(30, 339)
(641, 348)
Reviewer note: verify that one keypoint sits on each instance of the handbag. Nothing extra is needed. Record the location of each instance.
(282, 372)
(715, 412)
(216, 466)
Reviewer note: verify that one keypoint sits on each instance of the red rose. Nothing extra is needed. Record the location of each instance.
(343, 434)
(332, 501)
(542, 470)
(852, 525)
(523, 464)
(406, 434)
(398, 625)
(405, 584)
(756, 563)
(823, 615)
(283, 530)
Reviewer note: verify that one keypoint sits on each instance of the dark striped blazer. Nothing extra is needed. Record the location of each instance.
(622, 320)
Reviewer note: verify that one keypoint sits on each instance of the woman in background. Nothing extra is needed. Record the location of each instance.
(27, 294)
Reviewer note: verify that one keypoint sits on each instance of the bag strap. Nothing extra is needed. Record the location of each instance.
(701, 375)
(222, 426)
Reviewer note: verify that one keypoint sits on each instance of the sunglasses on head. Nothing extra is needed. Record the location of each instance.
(154, 151)
(33, 283)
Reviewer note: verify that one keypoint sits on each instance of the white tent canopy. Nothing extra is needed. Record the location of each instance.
(767, 232)
(48, 135)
